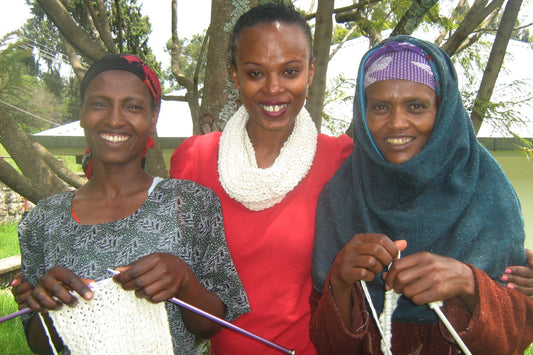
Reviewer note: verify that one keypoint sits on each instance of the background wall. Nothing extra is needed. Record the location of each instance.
(11, 205)
(519, 170)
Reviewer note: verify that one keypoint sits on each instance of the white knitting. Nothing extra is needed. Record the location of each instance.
(115, 321)
(257, 188)
(385, 349)
(384, 322)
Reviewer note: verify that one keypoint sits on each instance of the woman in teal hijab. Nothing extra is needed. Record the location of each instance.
(419, 182)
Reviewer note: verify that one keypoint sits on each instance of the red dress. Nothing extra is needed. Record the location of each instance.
(271, 248)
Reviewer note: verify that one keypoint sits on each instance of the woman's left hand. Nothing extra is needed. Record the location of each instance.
(161, 276)
(156, 277)
(425, 277)
(521, 277)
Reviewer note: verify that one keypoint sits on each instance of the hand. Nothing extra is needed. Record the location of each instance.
(521, 277)
(156, 277)
(160, 276)
(364, 256)
(53, 289)
(21, 290)
(425, 277)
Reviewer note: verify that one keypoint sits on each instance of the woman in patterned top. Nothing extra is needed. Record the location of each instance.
(165, 236)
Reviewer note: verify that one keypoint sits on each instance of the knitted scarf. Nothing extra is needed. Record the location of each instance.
(257, 188)
(451, 199)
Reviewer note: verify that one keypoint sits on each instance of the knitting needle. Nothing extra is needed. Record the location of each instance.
(436, 307)
(15, 314)
(224, 323)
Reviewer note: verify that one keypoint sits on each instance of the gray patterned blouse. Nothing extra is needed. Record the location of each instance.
(179, 217)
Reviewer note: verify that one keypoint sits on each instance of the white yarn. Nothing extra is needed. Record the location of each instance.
(257, 188)
(384, 322)
(115, 321)
(385, 349)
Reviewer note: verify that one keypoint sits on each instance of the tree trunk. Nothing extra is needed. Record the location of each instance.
(219, 94)
(155, 163)
(42, 179)
(61, 170)
(321, 47)
(19, 183)
(192, 95)
(495, 61)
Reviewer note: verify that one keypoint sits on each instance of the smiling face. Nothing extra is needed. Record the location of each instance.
(400, 115)
(272, 72)
(117, 116)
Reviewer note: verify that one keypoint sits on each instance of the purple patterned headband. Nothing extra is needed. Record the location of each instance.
(398, 60)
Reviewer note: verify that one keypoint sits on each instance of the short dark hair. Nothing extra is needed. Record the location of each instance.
(269, 13)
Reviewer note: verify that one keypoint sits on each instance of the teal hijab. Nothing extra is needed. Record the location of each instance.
(451, 199)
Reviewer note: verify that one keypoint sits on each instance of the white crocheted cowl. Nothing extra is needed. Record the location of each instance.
(257, 188)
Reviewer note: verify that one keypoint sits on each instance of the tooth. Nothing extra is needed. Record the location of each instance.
(273, 108)
(399, 140)
(114, 139)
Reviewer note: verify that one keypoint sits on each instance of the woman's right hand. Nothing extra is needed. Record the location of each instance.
(363, 257)
(21, 290)
(53, 289)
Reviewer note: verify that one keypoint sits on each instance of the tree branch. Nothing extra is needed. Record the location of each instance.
(75, 62)
(413, 17)
(495, 62)
(60, 169)
(59, 15)
(18, 182)
(120, 38)
(100, 22)
(27, 159)
(477, 14)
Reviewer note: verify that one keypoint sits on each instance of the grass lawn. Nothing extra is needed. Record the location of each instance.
(9, 243)
(12, 339)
